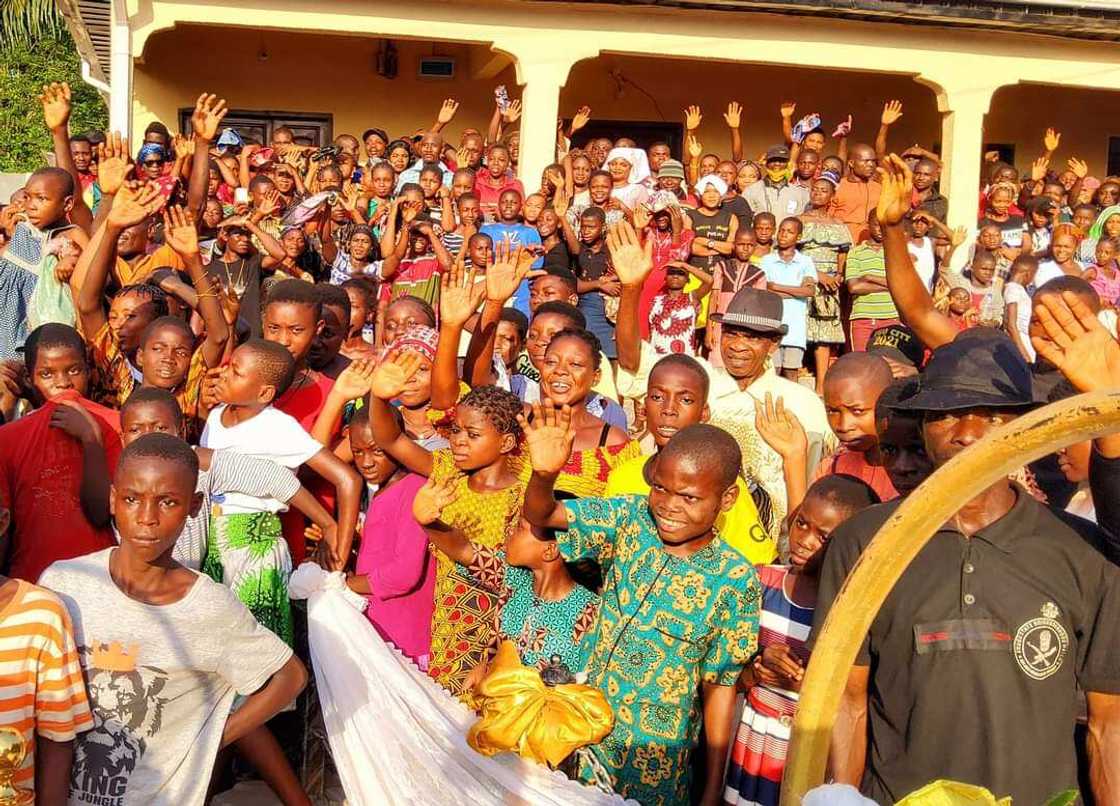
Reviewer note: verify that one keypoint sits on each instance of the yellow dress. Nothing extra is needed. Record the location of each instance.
(585, 475)
(463, 622)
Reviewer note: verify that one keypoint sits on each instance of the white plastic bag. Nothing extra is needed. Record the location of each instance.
(395, 735)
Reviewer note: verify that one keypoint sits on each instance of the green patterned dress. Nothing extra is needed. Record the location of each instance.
(666, 624)
(248, 554)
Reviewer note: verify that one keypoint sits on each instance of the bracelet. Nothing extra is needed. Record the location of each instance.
(205, 294)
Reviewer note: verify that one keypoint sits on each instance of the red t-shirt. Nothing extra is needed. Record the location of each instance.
(488, 195)
(304, 404)
(40, 480)
(853, 463)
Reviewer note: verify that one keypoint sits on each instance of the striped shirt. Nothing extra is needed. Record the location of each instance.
(866, 261)
(42, 692)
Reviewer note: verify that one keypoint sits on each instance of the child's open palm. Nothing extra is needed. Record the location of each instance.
(511, 266)
(113, 166)
(1066, 332)
(431, 499)
(898, 190)
(459, 294)
(354, 381)
(179, 231)
(135, 202)
(632, 261)
(393, 375)
(779, 428)
(209, 110)
(55, 99)
(548, 436)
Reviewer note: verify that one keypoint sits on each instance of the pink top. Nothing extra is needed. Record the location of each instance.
(402, 572)
(1108, 288)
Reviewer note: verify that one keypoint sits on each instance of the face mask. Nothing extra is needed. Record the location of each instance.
(776, 174)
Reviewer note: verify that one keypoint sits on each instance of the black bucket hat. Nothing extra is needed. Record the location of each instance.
(981, 368)
(754, 309)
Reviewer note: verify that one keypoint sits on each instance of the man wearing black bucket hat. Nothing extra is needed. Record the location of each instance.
(971, 668)
(751, 331)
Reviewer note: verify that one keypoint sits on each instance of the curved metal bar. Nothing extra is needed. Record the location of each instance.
(897, 543)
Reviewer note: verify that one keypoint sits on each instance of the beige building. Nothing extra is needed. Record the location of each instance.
(971, 75)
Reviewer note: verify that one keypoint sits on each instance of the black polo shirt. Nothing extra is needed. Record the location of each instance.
(977, 653)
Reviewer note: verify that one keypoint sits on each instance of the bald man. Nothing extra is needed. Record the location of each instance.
(858, 192)
(429, 148)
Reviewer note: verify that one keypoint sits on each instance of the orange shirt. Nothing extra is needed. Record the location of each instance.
(42, 692)
(163, 257)
(852, 204)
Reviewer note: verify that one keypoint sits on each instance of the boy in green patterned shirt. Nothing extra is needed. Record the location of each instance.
(679, 607)
(865, 275)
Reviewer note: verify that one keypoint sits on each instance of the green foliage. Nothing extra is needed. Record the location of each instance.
(1067, 798)
(24, 22)
(24, 69)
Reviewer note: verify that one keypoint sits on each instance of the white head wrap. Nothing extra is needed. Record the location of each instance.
(639, 163)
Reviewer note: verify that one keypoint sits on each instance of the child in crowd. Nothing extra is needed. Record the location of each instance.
(64, 453)
(677, 397)
(792, 276)
(958, 306)
(180, 645)
(900, 439)
(674, 312)
(987, 298)
(765, 225)
(1103, 274)
(865, 275)
(44, 694)
(246, 549)
(489, 481)
(394, 569)
(1017, 299)
(730, 274)
(851, 389)
(773, 680)
(363, 304)
(681, 655)
(541, 607)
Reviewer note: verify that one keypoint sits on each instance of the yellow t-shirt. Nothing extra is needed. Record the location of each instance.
(739, 527)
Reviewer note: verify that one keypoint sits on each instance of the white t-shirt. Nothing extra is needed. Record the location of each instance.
(924, 263)
(1047, 271)
(272, 434)
(1013, 292)
(161, 682)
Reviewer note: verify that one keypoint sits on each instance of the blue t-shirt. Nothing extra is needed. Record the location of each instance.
(519, 235)
(794, 309)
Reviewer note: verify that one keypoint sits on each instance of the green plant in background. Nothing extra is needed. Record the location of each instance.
(27, 21)
(39, 52)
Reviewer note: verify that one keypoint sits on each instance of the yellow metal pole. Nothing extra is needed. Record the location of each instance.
(900, 539)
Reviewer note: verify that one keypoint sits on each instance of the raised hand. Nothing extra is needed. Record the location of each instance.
(113, 166)
(1051, 140)
(692, 118)
(1066, 332)
(55, 99)
(133, 203)
(350, 196)
(460, 294)
(779, 428)
(1079, 167)
(892, 111)
(898, 190)
(513, 112)
(631, 261)
(787, 109)
(1039, 168)
(958, 236)
(270, 203)
(209, 110)
(695, 148)
(354, 381)
(409, 211)
(511, 267)
(844, 128)
(734, 115)
(431, 499)
(580, 118)
(183, 147)
(447, 111)
(180, 232)
(560, 202)
(641, 217)
(549, 436)
(393, 374)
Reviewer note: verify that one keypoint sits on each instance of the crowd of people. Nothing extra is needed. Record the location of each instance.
(639, 421)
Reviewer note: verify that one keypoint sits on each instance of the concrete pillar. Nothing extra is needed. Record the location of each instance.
(962, 146)
(120, 72)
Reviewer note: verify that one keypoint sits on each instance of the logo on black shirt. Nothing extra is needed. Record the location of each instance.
(1041, 644)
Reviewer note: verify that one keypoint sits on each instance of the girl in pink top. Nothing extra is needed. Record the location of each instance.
(395, 571)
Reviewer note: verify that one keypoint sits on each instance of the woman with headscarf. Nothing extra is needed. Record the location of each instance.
(629, 169)
(1106, 225)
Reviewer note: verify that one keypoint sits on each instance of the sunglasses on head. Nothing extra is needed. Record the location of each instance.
(153, 162)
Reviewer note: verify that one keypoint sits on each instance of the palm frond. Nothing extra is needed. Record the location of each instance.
(27, 21)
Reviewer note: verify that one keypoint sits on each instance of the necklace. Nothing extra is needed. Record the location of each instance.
(238, 285)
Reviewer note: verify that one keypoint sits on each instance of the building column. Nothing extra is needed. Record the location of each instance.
(962, 147)
(120, 71)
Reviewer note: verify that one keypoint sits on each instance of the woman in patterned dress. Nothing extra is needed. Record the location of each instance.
(826, 241)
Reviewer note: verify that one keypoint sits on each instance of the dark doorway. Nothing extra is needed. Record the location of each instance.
(643, 132)
(257, 127)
